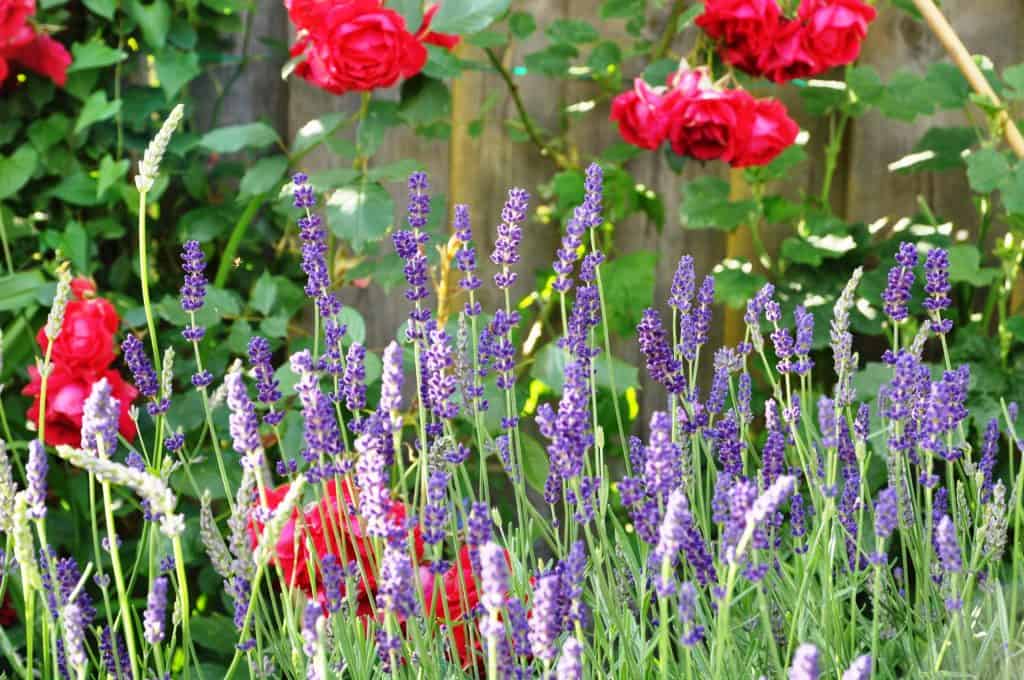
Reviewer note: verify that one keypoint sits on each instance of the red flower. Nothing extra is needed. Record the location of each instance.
(356, 46)
(743, 28)
(332, 528)
(427, 36)
(66, 391)
(835, 29)
(713, 125)
(642, 115)
(86, 340)
(21, 44)
(788, 56)
(83, 288)
(771, 132)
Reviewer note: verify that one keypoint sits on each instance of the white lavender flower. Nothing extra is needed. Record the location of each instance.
(151, 489)
(843, 358)
(995, 524)
(149, 166)
(24, 549)
(100, 415)
(167, 374)
(7, 490)
(55, 320)
(213, 542)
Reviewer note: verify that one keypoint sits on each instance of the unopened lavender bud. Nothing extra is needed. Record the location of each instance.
(149, 166)
(7, 490)
(24, 549)
(55, 319)
(273, 528)
(216, 548)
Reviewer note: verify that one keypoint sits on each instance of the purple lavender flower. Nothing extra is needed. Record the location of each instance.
(804, 339)
(805, 663)
(320, 424)
(267, 385)
(901, 278)
(797, 522)
(243, 424)
(692, 633)
(572, 569)
(100, 415)
(702, 314)
(440, 380)
(719, 387)
(661, 470)
(113, 654)
(193, 290)
(585, 216)
(493, 576)
(585, 315)
(684, 284)
(729, 445)
(35, 479)
(465, 258)
(987, 464)
(569, 431)
(671, 538)
(545, 623)
(142, 370)
(478, 532)
(396, 591)
(946, 546)
(767, 504)
(310, 615)
(510, 234)
(774, 451)
(756, 305)
(435, 515)
(391, 382)
(314, 251)
(860, 669)
(661, 365)
(570, 663)
(334, 581)
(936, 280)
(372, 479)
(156, 612)
(353, 380)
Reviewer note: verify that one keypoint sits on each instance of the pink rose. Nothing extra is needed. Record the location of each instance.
(642, 115)
(713, 125)
(835, 29)
(771, 132)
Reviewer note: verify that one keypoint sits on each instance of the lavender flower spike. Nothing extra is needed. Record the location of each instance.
(55, 319)
(860, 669)
(947, 547)
(100, 415)
(156, 611)
(901, 278)
(35, 473)
(396, 582)
(267, 386)
(805, 663)
(193, 289)
(545, 624)
(391, 385)
(7, 490)
(74, 638)
(244, 426)
(570, 664)
(768, 502)
(142, 369)
(510, 234)
(493, 576)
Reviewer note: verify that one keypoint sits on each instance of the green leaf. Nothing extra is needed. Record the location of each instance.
(866, 84)
(571, 32)
(424, 101)
(522, 25)
(316, 130)
(216, 633)
(48, 131)
(96, 109)
(734, 285)
(154, 21)
(869, 380)
(986, 169)
(629, 289)
(78, 189)
(354, 323)
(237, 137)
(621, 9)
(175, 69)
(360, 213)
(1015, 325)
(795, 249)
(264, 176)
(94, 54)
(111, 172)
(16, 170)
(441, 63)
(554, 60)
(1013, 191)
(604, 57)
(907, 96)
(75, 244)
(947, 144)
(948, 87)
(103, 8)
(965, 266)
(467, 16)
(1014, 77)
(411, 11)
(264, 294)
(399, 170)
(535, 462)
(782, 165)
(657, 72)
(706, 204)
(18, 291)
(549, 367)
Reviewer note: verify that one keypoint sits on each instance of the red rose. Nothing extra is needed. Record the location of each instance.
(743, 28)
(360, 46)
(788, 57)
(771, 132)
(45, 56)
(307, 14)
(713, 125)
(86, 340)
(642, 115)
(835, 29)
(82, 288)
(440, 39)
(13, 14)
(66, 391)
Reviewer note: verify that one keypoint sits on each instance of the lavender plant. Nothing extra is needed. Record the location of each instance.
(814, 536)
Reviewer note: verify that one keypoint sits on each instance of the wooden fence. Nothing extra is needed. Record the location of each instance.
(478, 170)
